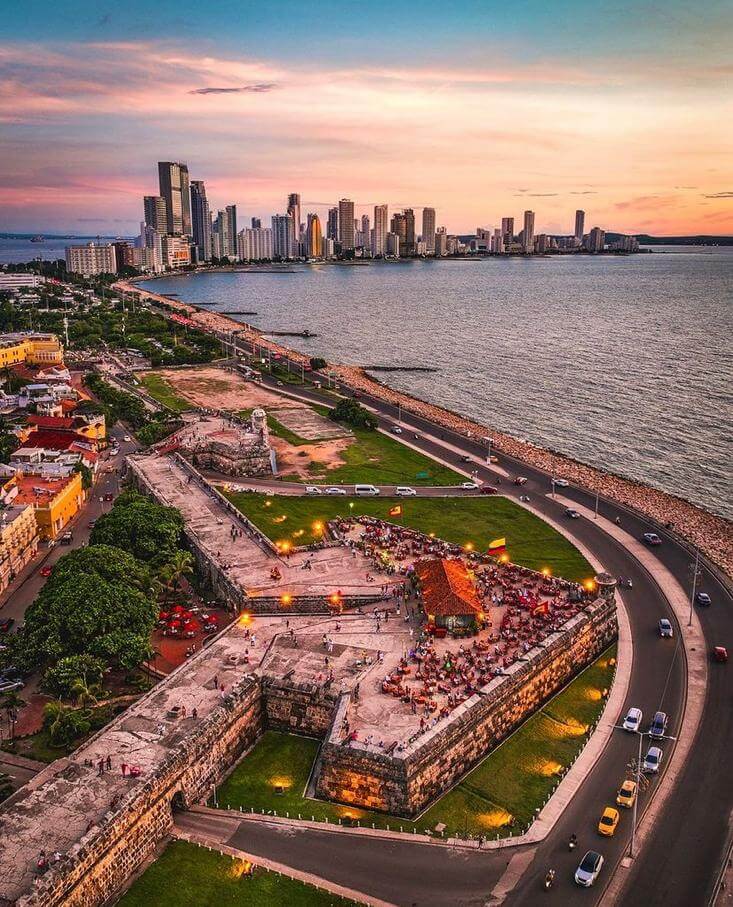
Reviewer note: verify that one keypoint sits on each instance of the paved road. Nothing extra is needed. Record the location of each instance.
(679, 865)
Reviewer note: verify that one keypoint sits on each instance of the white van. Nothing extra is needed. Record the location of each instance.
(366, 490)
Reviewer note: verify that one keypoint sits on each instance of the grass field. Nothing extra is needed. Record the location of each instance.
(160, 390)
(478, 520)
(500, 795)
(189, 876)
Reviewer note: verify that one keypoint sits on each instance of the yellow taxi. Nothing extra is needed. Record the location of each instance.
(627, 794)
(609, 821)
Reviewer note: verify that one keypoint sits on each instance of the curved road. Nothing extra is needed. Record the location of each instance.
(678, 865)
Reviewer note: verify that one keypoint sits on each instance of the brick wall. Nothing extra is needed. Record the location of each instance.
(299, 708)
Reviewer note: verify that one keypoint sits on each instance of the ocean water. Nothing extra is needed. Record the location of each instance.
(622, 362)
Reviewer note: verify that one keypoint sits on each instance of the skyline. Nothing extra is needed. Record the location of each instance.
(485, 112)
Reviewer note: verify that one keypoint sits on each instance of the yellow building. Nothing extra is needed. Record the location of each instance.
(18, 540)
(55, 501)
(33, 349)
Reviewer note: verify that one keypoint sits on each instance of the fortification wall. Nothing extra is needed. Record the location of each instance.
(406, 782)
(98, 865)
(298, 708)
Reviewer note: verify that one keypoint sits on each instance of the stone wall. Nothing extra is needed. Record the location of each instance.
(99, 864)
(300, 708)
(407, 781)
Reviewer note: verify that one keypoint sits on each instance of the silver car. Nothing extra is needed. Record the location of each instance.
(652, 760)
(590, 867)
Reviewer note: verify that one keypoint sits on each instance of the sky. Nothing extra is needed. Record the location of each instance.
(479, 109)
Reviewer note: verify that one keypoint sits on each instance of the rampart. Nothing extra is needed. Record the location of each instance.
(406, 781)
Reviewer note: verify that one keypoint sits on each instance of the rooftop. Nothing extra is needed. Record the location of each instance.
(447, 587)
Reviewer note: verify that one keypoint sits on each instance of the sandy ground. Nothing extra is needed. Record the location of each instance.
(296, 460)
(217, 388)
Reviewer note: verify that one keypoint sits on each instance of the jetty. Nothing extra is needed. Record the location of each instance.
(400, 368)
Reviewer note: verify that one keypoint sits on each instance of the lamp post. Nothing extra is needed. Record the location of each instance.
(695, 574)
(595, 514)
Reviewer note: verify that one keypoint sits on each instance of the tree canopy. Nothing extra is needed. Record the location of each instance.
(149, 531)
(353, 413)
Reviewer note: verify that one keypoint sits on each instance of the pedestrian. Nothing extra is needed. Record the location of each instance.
(124, 769)
(109, 763)
(195, 713)
(216, 681)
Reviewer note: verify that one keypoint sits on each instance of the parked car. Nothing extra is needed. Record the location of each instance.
(469, 486)
(334, 490)
(312, 489)
(520, 480)
(405, 491)
(127, 439)
(651, 538)
(666, 631)
(658, 725)
(704, 599)
(627, 794)
(652, 760)
(573, 514)
(608, 821)
(6, 624)
(632, 721)
(66, 537)
(366, 490)
(589, 868)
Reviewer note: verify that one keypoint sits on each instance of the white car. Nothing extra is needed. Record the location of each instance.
(405, 491)
(396, 430)
(312, 489)
(590, 867)
(666, 630)
(469, 486)
(334, 490)
(632, 721)
(652, 760)
(561, 483)
(127, 438)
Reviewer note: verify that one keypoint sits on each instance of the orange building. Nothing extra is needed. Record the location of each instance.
(55, 501)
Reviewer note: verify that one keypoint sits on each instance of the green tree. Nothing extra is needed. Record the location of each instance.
(64, 723)
(149, 531)
(61, 679)
(93, 604)
(180, 565)
(353, 413)
(6, 786)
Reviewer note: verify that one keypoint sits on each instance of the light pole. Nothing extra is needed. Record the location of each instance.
(695, 574)
(488, 451)
(595, 514)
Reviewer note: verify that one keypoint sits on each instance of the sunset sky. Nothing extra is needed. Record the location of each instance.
(480, 109)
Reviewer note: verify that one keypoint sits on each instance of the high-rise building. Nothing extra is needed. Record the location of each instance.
(346, 224)
(232, 236)
(314, 237)
(381, 228)
(365, 230)
(441, 242)
(332, 224)
(507, 230)
(398, 226)
(256, 223)
(224, 237)
(152, 248)
(255, 244)
(428, 230)
(294, 212)
(91, 259)
(579, 224)
(201, 220)
(528, 232)
(156, 215)
(409, 232)
(392, 244)
(283, 237)
(176, 251)
(596, 240)
(497, 242)
(173, 179)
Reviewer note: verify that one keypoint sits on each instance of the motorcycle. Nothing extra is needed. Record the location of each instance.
(573, 842)
(549, 879)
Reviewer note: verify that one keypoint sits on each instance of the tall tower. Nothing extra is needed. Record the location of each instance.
(381, 229)
(232, 233)
(428, 229)
(282, 236)
(332, 224)
(409, 232)
(579, 225)
(174, 187)
(346, 224)
(155, 213)
(314, 237)
(528, 233)
(201, 219)
(507, 229)
(294, 211)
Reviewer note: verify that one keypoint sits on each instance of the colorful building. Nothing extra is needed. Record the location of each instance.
(55, 501)
(32, 349)
(449, 594)
(18, 534)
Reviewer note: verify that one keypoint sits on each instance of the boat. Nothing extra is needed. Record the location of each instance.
(38, 238)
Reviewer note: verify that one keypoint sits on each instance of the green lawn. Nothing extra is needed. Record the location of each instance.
(499, 796)
(478, 520)
(189, 876)
(160, 390)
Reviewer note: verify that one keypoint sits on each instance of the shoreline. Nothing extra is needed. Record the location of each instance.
(711, 533)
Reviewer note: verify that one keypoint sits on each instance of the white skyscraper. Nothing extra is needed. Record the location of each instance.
(381, 229)
(283, 236)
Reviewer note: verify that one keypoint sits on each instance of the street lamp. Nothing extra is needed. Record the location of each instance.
(695, 575)
(641, 735)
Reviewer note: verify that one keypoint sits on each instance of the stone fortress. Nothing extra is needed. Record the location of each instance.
(268, 670)
(227, 444)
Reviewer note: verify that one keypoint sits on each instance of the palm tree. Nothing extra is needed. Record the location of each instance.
(180, 565)
(11, 702)
(84, 693)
